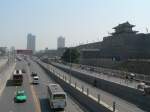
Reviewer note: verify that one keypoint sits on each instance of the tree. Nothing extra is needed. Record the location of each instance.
(71, 55)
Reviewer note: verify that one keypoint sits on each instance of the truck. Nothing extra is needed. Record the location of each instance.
(17, 77)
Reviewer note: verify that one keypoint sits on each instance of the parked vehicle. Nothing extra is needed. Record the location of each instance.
(141, 86)
(147, 90)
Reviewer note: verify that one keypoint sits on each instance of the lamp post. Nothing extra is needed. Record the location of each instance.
(9, 58)
(70, 63)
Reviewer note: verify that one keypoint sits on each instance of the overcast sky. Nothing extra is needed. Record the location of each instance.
(79, 21)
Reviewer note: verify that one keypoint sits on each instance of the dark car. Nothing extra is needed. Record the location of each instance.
(23, 71)
(34, 74)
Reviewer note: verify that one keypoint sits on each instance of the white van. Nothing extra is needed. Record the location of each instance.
(35, 80)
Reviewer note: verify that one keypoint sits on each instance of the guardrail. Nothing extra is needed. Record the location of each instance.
(130, 94)
(84, 97)
(99, 98)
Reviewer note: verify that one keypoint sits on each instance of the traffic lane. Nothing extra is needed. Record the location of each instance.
(41, 90)
(106, 97)
(7, 103)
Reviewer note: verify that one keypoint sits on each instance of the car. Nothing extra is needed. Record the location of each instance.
(141, 85)
(147, 90)
(20, 96)
(23, 71)
(34, 74)
(35, 80)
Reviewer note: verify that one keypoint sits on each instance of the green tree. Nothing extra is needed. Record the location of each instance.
(71, 55)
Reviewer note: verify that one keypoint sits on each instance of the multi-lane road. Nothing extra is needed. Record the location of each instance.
(37, 94)
(72, 105)
(121, 105)
(7, 98)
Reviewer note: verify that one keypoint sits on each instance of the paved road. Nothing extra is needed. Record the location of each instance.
(5, 75)
(72, 105)
(3, 61)
(7, 98)
(131, 84)
(108, 98)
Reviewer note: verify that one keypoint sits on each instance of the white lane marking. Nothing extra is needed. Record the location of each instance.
(34, 95)
(78, 88)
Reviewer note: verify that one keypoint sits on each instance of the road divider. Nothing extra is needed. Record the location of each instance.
(5, 75)
(129, 94)
(83, 97)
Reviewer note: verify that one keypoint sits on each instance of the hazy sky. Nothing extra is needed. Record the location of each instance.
(79, 21)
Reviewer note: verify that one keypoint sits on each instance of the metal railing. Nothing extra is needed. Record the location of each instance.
(109, 71)
(101, 98)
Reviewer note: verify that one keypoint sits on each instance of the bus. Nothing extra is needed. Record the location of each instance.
(57, 97)
(18, 77)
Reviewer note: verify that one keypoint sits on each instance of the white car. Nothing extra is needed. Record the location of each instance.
(141, 85)
(35, 80)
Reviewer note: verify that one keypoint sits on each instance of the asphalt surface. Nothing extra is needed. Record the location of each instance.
(125, 82)
(121, 105)
(41, 90)
(36, 94)
(3, 62)
(7, 103)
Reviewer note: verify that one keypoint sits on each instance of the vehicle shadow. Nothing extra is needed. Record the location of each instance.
(44, 103)
(45, 107)
(10, 83)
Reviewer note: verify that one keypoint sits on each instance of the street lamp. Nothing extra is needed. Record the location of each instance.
(70, 63)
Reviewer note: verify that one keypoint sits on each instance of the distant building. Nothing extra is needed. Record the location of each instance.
(60, 42)
(124, 43)
(31, 42)
(24, 51)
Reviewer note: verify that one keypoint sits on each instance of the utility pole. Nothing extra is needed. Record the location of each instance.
(70, 63)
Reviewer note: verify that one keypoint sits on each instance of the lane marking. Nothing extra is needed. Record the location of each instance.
(78, 88)
(36, 101)
(35, 98)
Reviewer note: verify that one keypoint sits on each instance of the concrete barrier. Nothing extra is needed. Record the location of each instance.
(3, 65)
(132, 95)
(5, 75)
(83, 99)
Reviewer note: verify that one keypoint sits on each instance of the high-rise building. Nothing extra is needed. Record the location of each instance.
(60, 42)
(31, 42)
